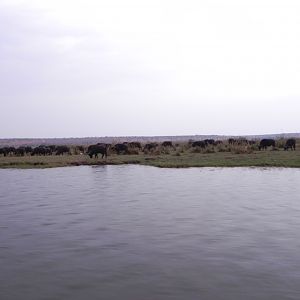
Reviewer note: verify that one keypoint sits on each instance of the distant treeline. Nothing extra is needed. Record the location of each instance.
(86, 141)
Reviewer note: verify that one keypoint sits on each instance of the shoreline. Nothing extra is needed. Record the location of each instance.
(276, 159)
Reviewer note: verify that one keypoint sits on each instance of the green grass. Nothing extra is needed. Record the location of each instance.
(184, 160)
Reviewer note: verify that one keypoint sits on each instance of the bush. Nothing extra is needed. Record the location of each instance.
(165, 151)
(132, 152)
(156, 152)
(208, 150)
(254, 147)
(222, 148)
(280, 143)
(203, 150)
(241, 150)
(196, 150)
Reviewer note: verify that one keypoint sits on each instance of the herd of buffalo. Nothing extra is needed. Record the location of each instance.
(128, 147)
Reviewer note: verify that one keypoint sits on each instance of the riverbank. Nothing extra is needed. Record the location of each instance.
(281, 158)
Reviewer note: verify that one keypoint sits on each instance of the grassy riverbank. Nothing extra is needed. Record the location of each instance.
(173, 160)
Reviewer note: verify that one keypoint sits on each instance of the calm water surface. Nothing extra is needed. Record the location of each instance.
(143, 233)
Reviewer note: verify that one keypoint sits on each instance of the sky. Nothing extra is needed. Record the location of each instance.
(134, 67)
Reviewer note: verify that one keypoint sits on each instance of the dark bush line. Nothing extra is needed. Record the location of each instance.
(39, 150)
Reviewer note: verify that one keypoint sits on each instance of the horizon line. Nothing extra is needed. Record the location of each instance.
(146, 136)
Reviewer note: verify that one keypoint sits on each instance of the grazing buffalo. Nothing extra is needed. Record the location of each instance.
(167, 144)
(290, 144)
(209, 142)
(104, 145)
(53, 148)
(216, 143)
(12, 150)
(41, 150)
(96, 149)
(4, 151)
(61, 150)
(265, 143)
(120, 148)
(231, 141)
(20, 151)
(28, 149)
(200, 144)
(150, 146)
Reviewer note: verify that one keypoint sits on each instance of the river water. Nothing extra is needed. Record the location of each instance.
(137, 232)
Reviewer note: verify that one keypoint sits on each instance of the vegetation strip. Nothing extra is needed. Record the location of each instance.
(238, 153)
(184, 160)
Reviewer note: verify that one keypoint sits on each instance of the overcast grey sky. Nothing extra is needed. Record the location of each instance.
(124, 67)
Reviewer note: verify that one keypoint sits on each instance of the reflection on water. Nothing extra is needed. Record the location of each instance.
(134, 232)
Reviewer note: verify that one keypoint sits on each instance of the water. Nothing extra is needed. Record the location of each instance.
(134, 232)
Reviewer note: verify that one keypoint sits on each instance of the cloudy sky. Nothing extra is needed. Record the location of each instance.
(134, 67)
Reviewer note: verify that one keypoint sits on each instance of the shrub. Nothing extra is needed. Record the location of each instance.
(196, 150)
(208, 150)
(254, 147)
(164, 151)
(132, 152)
(222, 149)
(241, 150)
(280, 143)
(156, 152)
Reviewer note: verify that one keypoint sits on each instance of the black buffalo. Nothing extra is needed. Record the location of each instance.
(11, 150)
(53, 148)
(104, 145)
(209, 142)
(231, 141)
(200, 144)
(41, 150)
(20, 151)
(60, 150)
(150, 146)
(290, 144)
(168, 144)
(28, 149)
(4, 151)
(265, 143)
(94, 150)
(120, 148)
